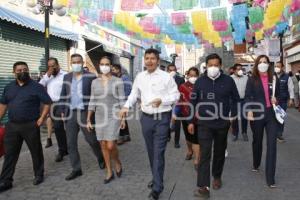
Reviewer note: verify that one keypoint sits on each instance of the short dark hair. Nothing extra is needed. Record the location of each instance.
(279, 62)
(106, 57)
(171, 65)
(212, 57)
(77, 55)
(117, 66)
(19, 63)
(236, 65)
(54, 59)
(195, 69)
(154, 51)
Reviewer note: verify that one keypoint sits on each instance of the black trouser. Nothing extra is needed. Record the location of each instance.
(177, 129)
(269, 123)
(124, 132)
(206, 137)
(60, 132)
(241, 118)
(15, 133)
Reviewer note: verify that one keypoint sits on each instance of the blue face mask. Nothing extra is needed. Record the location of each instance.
(77, 67)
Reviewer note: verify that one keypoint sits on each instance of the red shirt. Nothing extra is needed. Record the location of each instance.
(185, 97)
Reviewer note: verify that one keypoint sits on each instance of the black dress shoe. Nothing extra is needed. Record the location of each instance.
(5, 186)
(38, 180)
(154, 195)
(49, 143)
(150, 185)
(73, 175)
(102, 165)
(108, 180)
(119, 174)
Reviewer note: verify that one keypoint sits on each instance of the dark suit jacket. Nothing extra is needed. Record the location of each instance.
(255, 93)
(65, 97)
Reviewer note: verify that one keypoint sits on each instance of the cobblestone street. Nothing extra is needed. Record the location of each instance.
(180, 178)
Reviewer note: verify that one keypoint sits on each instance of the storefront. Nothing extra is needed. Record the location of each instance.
(21, 39)
(98, 43)
(293, 57)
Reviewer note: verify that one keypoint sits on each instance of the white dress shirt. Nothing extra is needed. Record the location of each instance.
(150, 86)
(53, 84)
(241, 83)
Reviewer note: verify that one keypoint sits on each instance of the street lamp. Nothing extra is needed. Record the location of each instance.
(47, 7)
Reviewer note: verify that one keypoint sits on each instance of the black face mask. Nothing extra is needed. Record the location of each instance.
(23, 76)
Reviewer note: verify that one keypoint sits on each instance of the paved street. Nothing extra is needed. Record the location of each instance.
(180, 179)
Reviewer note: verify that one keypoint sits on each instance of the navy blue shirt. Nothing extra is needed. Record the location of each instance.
(214, 100)
(23, 102)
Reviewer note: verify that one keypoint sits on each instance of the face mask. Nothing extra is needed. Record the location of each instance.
(23, 76)
(277, 70)
(104, 69)
(240, 73)
(263, 67)
(192, 80)
(172, 73)
(77, 68)
(213, 71)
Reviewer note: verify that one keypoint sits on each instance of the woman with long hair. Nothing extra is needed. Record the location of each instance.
(107, 98)
(259, 98)
(193, 147)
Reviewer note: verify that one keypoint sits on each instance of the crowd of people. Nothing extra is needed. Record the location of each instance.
(205, 105)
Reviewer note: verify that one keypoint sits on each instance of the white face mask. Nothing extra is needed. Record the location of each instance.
(213, 71)
(192, 80)
(277, 70)
(172, 73)
(105, 69)
(240, 73)
(263, 67)
(77, 68)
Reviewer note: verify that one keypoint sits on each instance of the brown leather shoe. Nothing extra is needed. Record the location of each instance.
(202, 192)
(217, 184)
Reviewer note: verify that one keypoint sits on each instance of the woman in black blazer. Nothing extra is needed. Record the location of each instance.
(259, 101)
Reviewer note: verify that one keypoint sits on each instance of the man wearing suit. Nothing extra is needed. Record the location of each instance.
(172, 70)
(75, 96)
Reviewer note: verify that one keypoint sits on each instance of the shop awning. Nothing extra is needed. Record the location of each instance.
(36, 25)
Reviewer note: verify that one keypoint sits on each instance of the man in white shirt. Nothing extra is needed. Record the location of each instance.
(241, 82)
(53, 81)
(158, 92)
